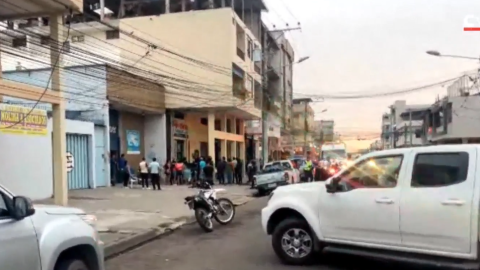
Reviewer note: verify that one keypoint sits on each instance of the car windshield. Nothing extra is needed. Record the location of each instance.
(271, 168)
(7, 191)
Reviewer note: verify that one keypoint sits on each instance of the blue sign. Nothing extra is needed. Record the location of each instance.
(133, 142)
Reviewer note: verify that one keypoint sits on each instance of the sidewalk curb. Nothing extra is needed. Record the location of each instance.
(126, 244)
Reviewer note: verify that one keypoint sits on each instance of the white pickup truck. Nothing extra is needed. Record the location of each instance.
(416, 205)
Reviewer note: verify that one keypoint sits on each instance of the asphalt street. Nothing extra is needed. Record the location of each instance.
(241, 245)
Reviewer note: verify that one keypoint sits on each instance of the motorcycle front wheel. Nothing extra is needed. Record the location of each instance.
(225, 211)
(201, 215)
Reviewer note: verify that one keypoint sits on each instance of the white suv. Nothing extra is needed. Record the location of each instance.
(418, 205)
(36, 237)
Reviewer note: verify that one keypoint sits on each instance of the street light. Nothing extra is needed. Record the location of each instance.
(438, 54)
(302, 59)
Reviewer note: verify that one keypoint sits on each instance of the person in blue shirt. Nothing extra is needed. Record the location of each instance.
(202, 164)
(122, 167)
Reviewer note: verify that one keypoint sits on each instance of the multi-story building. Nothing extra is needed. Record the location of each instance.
(303, 128)
(205, 53)
(278, 58)
(398, 131)
(386, 131)
(325, 131)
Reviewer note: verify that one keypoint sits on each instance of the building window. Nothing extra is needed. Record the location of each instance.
(19, 42)
(45, 40)
(178, 115)
(66, 47)
(78, 38)
(113, 34)
(249, 47)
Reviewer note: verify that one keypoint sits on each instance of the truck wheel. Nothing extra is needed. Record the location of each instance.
(293, 242)
(71, 265)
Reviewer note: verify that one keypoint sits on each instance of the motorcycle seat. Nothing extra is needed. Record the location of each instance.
(189, 198)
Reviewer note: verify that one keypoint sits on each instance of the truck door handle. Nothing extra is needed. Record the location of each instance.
(384, 200)
(453, 202)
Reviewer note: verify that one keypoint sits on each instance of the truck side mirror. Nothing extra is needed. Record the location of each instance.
(333, 187)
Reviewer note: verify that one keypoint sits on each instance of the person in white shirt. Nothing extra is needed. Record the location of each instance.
(155, 168)
(144, 173)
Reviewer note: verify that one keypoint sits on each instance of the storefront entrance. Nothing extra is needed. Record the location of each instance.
(179, 149)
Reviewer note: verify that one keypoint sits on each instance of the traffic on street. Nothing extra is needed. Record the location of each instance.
(240, 245)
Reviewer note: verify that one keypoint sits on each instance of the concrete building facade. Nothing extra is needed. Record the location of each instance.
(55, 10)
(303, 128)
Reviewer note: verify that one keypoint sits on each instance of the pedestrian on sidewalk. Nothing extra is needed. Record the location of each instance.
(143, 168)
(221, 165)
(251, 171)
(209, 170)
(123, 172)
(229, 171)
(154, 167)
(173, 175)
(179, 167)
(238, 171)
(234, 165)
(167, 172)
(113, 169)
(127, 173)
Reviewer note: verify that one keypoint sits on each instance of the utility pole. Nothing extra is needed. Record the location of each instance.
(305, 129)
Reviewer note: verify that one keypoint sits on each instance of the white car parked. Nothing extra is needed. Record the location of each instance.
(418, 205)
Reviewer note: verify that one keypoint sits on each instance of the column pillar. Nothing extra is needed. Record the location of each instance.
(223, 123)
(210, 4)
(223, 3)
(60, 188)
(234, 149)
(223, 151)
(211, 135)
(234, 123)
(167, 6)
(184, 5)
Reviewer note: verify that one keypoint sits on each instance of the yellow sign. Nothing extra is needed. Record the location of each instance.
(23, 120)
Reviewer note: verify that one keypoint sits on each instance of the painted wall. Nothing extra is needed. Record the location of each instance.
(26, 165)
(84, 88)
(155, 137)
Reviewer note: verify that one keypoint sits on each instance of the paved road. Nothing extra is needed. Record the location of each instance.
(240, 245)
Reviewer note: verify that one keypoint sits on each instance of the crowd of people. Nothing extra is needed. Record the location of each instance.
(226, 171)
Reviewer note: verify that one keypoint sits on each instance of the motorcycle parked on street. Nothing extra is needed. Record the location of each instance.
(207, 206)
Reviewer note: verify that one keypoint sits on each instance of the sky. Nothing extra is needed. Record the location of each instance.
(373, 46)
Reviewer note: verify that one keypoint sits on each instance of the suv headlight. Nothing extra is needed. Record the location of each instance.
(89, 219)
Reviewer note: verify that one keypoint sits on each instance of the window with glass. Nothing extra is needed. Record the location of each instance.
(378, 172)
(439, 169)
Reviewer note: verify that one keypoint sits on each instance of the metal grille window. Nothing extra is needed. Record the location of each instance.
(19, 42)
(113, 34)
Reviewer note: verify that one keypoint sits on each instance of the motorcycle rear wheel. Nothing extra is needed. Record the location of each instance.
(205, 223)
(232, 215)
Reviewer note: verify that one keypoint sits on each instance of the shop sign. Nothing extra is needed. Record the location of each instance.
(21, 120)
(180, 129)
(133, 142)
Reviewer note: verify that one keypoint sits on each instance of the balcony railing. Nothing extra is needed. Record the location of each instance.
(240, 53)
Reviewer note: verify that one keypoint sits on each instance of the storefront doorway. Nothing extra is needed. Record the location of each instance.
(179, 149)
